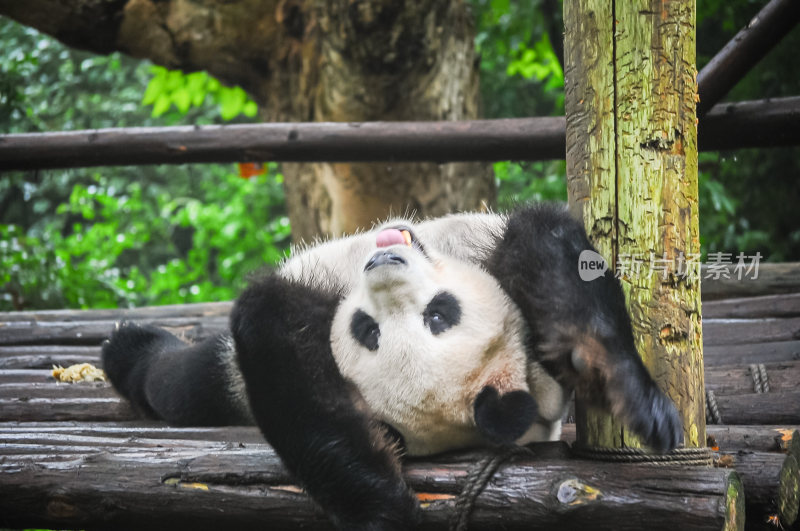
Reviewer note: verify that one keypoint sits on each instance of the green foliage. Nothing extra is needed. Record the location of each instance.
(184, 91)
(520, 183)
(540, 63)
(520, 76)
(112, 247)
(748, 197)
(741, 214)
(45, 86)
(124, 235)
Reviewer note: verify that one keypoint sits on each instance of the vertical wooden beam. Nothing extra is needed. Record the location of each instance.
(632, 177)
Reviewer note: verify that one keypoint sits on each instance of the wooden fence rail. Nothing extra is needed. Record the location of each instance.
(766, 123)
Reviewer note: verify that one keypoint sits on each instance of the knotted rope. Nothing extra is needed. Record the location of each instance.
(477, 479)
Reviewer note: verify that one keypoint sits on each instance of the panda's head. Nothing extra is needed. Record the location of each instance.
(423, 336)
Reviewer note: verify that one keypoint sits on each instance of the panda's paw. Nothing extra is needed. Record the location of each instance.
(126, 344)
(131, 344)
(655, 419)
(666, 428)
(504, 418)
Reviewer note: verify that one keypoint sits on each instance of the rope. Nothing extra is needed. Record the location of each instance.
(477, 479)
(712, 410)
(760, 380)
(678, 456)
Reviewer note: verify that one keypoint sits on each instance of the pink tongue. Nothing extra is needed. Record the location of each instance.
(389, 237)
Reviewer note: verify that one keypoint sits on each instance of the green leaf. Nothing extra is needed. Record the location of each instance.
(250, 109)
(182, 99)
(161, 105)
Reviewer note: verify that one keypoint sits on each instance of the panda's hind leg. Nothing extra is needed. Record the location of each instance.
(168, 379)
(580, 331)
(127, 356)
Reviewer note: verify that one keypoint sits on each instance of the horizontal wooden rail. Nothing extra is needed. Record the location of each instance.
(746, 49)
(732, 126)
(764, 123)
(517, 139)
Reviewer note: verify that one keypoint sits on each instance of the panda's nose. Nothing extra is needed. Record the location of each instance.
(384, 258)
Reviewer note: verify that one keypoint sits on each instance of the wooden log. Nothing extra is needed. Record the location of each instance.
(784, 305)
(772, 279)
(766, 408)
(91, 409)
(752, 43)
(95, 332)
(184, 487)
(26, 391)
(25, 376)
(738, 331)
(782, 408)
(753, 438)
(530, 139)
(145, 313)
(736, 380)
(46, 356)
(133, 430)
(771, 123)
(747, 353)
(771, 482)
(731, 438)
(539, 138)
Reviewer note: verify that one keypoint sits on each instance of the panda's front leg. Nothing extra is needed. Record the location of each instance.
(579, 329)
(310, 414)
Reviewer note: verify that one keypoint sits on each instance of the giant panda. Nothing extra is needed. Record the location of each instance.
(415, 338)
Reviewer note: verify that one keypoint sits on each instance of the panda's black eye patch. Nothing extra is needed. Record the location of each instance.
(365, 330)
(442, 313)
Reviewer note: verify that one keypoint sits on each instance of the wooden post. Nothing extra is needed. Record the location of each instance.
(632, 177)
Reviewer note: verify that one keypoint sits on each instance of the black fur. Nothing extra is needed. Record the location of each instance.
(309, 414)
(442, 313)
(536, 262)
(365, 330)
(318, 422)
(504, 419)
(168, 379)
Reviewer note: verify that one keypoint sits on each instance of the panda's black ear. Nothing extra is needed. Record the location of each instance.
(504, 418)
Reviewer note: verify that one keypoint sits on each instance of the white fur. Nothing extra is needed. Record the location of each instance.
(339, 263)
(233, 375)
(423, 384)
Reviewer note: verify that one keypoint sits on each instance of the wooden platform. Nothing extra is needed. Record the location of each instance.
(77, 455)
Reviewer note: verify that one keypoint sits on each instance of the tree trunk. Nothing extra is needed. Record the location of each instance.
(311, 60)
(632, 167)
(381, 62)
